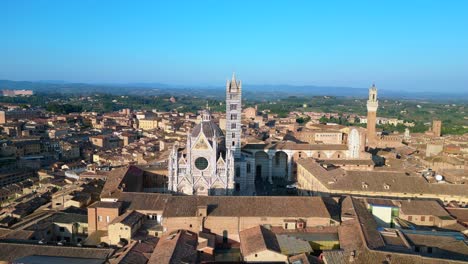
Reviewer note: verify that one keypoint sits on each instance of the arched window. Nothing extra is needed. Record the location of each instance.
(238, 172)
(225, 236)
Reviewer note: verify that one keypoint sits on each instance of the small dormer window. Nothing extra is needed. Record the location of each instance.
(365, 185)
(386, 186)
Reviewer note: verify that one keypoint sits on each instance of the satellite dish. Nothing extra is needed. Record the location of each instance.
(439, 177)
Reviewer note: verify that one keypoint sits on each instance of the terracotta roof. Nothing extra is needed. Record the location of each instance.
(422, 207)
(101, 204)
(144, 201)
(130, 177)
(340, 180)
(139, 252)
(129, 218)
(304, 259)
(349, 161)
(351, 241)
(16, 234)
(295, 146)
(369, 226)
(460, 213)
(12, 251)
(380, 202)
(445, 246)
(180, 247)
(281, 206)
(258, 239)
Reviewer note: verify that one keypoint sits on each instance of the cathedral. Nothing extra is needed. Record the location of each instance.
(215, 163)
(211, 163)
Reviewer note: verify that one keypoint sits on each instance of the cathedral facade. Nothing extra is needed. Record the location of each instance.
(211, 163)
(215, 163)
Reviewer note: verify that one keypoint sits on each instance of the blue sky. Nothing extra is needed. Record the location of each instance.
(401, 45)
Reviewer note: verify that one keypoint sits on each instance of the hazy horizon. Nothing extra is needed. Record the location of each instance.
(401, 46)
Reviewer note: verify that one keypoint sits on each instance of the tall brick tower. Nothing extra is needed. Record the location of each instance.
(437, 128)
(372, 105)
(233, 116)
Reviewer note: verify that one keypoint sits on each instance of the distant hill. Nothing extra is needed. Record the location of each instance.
(250, 91)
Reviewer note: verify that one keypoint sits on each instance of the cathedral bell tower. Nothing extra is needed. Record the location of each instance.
(372, 105)
(233, 116)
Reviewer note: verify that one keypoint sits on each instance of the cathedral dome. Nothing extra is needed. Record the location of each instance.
(209, 128)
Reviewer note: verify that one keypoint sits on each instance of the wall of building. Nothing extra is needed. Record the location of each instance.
(99, 218)
(119, 231)
(266, 256)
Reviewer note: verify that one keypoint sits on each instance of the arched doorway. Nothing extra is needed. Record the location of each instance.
(280, 165)
(261, 166)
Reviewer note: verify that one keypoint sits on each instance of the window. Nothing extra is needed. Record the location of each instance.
(233, 107)
(99, 218)
(238, 172)
(233, 116)
(233, 143)
(248, 168)
(107, 219)
(410, 218)
(233, 126)
(201, 163)
(233, 135)
(429, 250)
(62, 229)
(423, 218)
(431, 219)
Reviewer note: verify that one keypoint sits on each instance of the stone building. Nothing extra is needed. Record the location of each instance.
(315, 178)
(211, 163)
(122, 228)
(267, 161)
(250, 113)
(222, 216)
(106, 141)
